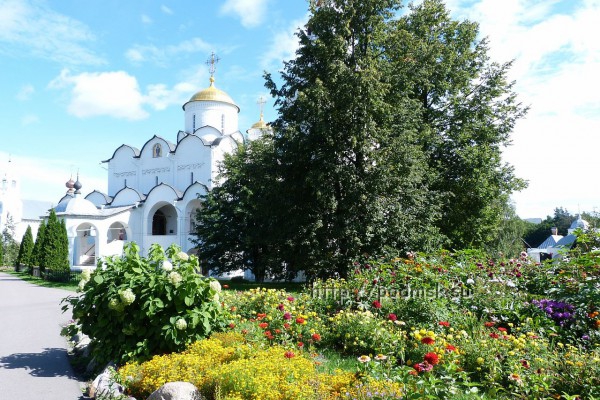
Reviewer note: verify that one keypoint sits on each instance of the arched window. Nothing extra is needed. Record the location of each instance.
(159, 223)
(157, 150)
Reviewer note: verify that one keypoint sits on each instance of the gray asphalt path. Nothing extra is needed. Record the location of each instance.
(33, 355)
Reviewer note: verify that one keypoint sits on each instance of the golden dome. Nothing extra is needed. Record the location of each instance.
(212, 94)
(260, 124)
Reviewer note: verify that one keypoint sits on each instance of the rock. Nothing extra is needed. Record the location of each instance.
(82, 346)
(104, 386)
(176, 391)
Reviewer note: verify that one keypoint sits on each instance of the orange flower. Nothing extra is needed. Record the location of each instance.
(300, 320)
(316, 337)
(289, 354)
(263, 325)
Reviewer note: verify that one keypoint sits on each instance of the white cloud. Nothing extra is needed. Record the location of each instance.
(29, 119)
(283, 46)
(114, 94)
(161, 56)
(32, 29)
(118, 95)
(25, 92)
(146, 19)
(166, 10)
(251, 12)
(557, 56)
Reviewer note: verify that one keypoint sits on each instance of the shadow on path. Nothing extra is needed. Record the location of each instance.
(49, 363)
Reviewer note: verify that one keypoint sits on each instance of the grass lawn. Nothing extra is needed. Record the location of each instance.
(71, 286)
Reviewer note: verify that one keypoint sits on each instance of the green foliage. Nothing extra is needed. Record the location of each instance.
(237, 226)
(561, 220)
(466, 109)
(136, 307)
(389, 134)
(26, 248)
(36, 253)
(54, 251)
(10, 247)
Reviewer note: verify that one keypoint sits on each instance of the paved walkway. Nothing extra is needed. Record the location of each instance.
(33, 355)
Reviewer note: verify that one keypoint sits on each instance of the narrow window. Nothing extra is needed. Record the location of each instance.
(125, 183)
(194, 123)
(191, 178)
(156, 181)
(223, 123)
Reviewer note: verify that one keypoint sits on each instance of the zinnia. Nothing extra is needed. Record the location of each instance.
(263, 325)
(316, 337)
(445, 323)
(392, 317)
(431, 358)
(427, 340)
(376, 304)
(289, 354)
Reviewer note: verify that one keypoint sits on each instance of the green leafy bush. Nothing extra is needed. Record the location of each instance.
(135, 307)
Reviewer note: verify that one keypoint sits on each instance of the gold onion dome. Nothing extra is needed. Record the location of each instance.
(213, 94)
(261, 124)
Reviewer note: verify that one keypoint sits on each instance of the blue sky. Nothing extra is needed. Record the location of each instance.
(80, 78)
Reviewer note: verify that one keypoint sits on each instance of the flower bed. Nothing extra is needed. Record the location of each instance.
(440, 325)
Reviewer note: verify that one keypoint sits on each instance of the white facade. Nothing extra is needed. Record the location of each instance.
(23, 213)
(153, 193)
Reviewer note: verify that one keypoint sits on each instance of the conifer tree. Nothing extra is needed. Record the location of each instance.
(1, 253)
(53, 248)
(36, 253)
(26, 248)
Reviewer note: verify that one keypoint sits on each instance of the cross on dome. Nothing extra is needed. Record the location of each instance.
(212, 62)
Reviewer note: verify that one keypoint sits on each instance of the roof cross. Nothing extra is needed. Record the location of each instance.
(212, 62)
(261, 103)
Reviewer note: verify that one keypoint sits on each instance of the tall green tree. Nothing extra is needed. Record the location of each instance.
(467, 109)
(237, 224)
(53, 247)
(389, 135)
(354, 179)
(36, 253)
(9, 244)
(26, 248)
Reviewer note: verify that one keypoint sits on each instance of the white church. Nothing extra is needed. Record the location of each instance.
(153, 191)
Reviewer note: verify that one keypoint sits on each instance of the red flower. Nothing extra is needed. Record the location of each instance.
(286, 325)
(376, 304)
(316, 337)
(489, 324)
(278, 331)
(525, 364)
(263, 325)
(501, 329)
(431, 358)
(445, 323)
(494, 335)
(225, 286)
(260, 316)
(289, 354)
(290, 298)
(392, 317)
(299, 320)
(449, 347)
(427, 340)
(244, 331)
(280, 307)
(300, 344)
(287, 316)
(232, 325)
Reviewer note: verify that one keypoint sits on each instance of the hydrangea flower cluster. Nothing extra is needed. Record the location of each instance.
(127, 296)
(562, 313)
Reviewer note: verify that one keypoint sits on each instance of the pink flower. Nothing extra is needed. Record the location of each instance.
(392, 317)
(287, 316)
(376, 304)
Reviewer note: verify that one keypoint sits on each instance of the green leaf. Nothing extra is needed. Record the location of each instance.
(98, 279)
